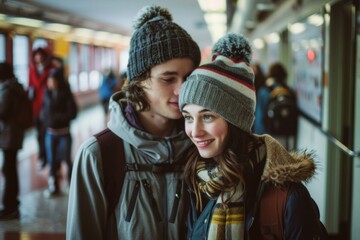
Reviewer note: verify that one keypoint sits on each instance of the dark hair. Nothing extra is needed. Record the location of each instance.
(123, 76)
(278, 72)
(232, 166)
(6, 71)
(58, 75)
(259, 76)
(135, 94)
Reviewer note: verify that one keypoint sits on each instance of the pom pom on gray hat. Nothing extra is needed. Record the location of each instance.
(225, 86)
(158, 39)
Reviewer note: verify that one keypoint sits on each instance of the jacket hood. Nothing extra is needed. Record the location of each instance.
(157, 149)
(282, 166)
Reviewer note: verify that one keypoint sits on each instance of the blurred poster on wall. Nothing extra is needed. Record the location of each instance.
(307, 42)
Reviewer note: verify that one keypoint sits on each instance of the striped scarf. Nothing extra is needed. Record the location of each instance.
(228, 218)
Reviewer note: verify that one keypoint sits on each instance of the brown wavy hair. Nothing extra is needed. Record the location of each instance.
(232, 165)
(135, 94)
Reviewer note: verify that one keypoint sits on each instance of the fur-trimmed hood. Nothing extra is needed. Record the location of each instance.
(282, 166)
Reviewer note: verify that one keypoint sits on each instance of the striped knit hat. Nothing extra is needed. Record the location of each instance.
(225, 86)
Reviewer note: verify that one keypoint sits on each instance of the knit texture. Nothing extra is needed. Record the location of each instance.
(156, 40)
(225, 86)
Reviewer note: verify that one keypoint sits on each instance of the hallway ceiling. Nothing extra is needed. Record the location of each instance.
(115, 15)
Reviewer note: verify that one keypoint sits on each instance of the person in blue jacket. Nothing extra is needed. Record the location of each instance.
(231, 169)
(107, 88)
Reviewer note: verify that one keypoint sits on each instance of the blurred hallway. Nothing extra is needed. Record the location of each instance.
(43, 218)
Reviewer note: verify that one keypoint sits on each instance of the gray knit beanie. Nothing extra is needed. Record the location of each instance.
(156, 40)
(225, 86)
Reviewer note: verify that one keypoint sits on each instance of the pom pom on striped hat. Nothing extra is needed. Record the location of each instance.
(226, 85)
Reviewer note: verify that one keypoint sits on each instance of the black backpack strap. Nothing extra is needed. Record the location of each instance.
(113, 163)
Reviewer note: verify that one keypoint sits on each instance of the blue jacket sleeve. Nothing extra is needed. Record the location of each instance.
(302, 217)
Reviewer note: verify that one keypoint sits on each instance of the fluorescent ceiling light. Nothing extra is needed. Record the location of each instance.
(212, 5)
(216, 24)
(57, 27)
(297, 28)
(25, 22)
(258, 43)
(83, 32)
(101, 35)
(273, 38)
(316, 20)
(215, 18)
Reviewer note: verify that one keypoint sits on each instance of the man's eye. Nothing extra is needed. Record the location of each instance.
(168, 80)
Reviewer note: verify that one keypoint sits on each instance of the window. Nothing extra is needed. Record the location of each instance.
(21, 59)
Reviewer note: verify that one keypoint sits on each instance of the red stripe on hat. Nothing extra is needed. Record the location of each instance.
(241, 81)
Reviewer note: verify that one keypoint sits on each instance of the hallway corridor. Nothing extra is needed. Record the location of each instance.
(43, 218)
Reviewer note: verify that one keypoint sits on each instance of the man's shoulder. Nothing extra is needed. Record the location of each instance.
(89, 147)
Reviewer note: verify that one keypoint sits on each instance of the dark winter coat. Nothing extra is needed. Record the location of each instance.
(278, 167)
(11, 135)
(58, 108)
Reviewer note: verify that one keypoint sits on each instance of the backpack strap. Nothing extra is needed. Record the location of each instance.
(272, 210)
(113, 163)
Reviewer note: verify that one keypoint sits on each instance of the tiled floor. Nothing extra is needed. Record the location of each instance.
(44, 218)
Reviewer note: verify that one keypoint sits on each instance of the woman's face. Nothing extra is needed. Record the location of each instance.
(52, 83)
(207, 130)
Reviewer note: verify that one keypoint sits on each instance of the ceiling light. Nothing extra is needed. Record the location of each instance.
(25, 22)
(212, 5)
(273, 38)
(297, 28)
(216, 24)
(101, 35)
(258, 43)
(316, 20)
(83, 32)
(57, 27)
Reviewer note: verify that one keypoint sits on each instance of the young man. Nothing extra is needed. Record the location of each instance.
(146, 117)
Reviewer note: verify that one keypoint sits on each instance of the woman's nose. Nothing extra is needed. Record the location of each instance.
(197, 129)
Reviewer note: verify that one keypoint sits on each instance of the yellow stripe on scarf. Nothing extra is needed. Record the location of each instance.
(228, 216)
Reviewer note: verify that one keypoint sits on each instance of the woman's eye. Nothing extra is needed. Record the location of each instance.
(187, 118)
(208, 117)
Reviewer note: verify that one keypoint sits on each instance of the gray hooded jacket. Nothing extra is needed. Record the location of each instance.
(151, 205)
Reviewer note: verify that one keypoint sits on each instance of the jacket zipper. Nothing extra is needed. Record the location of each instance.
(152, 199)
(132, 201)
(176, 202)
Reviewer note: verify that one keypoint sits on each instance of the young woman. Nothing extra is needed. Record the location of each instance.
(231, 171)
(58, 110)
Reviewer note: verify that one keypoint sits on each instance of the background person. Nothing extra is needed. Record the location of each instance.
(11, 139)
(146, 117)
(107, 88)
(232, 169)
(58, 109)
(40, 67)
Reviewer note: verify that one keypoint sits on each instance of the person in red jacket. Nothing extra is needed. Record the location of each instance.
(39, 70)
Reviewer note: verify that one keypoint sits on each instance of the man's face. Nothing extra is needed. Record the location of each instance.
(163, 86)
